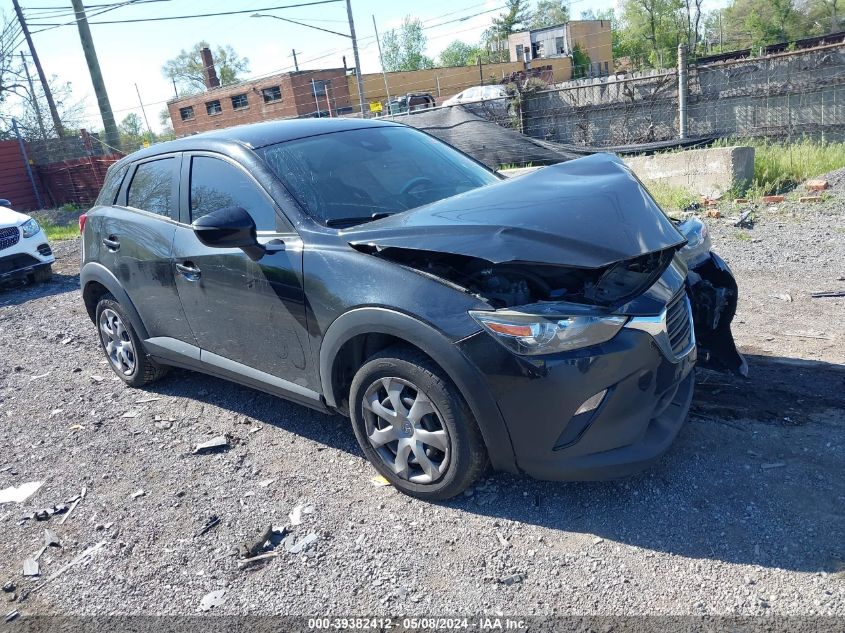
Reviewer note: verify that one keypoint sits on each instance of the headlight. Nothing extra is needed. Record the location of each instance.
(532, 334)
(30, 228)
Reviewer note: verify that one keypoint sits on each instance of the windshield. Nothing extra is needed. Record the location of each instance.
(351, 177)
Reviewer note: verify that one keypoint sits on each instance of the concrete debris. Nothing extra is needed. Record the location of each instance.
(221, 442)
(745, 219)
(249, 561)
(598, 540)
(809, 334)
(138, 494)
(212, 599)
(147, 400)
(130, 414)
(248, 550)
(783, 297)
(295, 515)
(772, 465)
(97, 378)
(19, 494)
(30, 567)
(502, 540)
(511, 580)
(73, 503)
(266, 482)
(88, 553)
(301, 545)
(51, 539)
(212, 522)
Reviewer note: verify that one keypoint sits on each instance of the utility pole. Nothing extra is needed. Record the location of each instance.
(381, 61)
(354, 53)
(295, 63)
(34, 98)
(682, 91)
(57, 122)
(144, 112)
(112, 135)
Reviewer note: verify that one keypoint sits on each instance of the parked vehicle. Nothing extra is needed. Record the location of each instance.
(543, 323)
(484, 100)
(25, 252)
(410, 102)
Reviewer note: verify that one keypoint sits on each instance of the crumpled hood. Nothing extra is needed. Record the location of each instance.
(11, 218)
(587, 213)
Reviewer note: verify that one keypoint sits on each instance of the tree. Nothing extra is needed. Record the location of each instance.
(549, 13)
(754, 23)
(131, 132)
(652, 30)
(404, 48)
(71, 111)
(580, 62)
(167, 133)
(187, 67)
(516, 17)
(460, 53)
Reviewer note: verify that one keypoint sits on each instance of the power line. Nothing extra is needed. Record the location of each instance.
(197, 15)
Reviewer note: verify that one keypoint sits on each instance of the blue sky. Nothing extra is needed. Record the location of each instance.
(134, 53)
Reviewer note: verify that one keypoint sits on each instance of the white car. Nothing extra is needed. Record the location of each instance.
(25, 252)
(493, 99)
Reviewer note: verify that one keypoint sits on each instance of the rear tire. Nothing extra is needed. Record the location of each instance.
(414, 426)
(122, 347)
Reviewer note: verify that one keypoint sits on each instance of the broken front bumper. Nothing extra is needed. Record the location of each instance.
(645, 402)
(713, 293)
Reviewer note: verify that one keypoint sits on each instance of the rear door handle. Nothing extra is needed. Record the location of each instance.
(111, 243)
(188, 271)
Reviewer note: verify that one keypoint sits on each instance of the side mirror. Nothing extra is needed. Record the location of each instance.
(230, 227)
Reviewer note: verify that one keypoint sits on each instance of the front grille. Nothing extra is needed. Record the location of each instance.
(9, 236)
(679, 324)
(16, 262)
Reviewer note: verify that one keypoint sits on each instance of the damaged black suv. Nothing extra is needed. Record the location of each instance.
(547, 324)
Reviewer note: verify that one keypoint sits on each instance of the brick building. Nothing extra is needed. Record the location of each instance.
(285, 95)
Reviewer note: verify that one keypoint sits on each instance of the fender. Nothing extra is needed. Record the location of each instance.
(373, 320)
(92, 271)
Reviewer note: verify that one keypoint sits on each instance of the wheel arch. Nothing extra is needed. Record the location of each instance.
(97, 280)
(364, 331)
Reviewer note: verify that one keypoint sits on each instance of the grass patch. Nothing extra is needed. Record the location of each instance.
(671, 198)
(57, 232)
(742, 236)
(780, 166)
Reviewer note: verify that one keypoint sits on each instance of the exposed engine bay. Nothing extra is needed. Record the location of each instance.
(505, 285)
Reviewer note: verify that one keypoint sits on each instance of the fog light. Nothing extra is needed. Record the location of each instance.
(591, 403)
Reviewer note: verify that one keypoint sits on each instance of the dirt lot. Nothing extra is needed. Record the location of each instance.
(743, 516)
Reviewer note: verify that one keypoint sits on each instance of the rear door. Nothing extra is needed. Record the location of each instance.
(136, 238)
(250, 312)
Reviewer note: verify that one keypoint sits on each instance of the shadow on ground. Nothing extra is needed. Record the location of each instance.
(755, 476)
(14, 293)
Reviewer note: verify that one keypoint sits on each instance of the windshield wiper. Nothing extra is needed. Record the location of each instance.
(359, 220)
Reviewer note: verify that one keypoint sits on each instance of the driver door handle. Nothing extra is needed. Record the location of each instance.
(111, 243)
(188, 271)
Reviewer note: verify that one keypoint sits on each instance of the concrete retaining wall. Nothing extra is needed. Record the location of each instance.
(708, 172)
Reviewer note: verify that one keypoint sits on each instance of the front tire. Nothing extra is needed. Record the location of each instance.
(122, 347)
(414, 426)
(42, 275)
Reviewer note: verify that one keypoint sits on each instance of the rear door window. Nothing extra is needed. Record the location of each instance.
(217, 184)
(114, 178)
(152, 187)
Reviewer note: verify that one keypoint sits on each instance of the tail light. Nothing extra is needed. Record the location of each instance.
(82, 220)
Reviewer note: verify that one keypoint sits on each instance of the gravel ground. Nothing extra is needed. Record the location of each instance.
(744, 516)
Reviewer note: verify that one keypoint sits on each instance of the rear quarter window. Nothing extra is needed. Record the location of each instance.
(114, 178)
